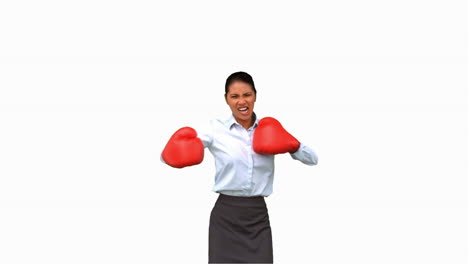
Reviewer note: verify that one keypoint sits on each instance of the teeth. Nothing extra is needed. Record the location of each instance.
(243, 109)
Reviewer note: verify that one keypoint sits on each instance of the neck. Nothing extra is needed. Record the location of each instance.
(247, 123)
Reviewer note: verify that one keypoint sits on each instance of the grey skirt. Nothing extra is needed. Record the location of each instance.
(240, 231)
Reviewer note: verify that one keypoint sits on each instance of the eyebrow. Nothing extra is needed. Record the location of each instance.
(243, 93)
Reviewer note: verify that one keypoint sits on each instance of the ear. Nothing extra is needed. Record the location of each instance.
(225, 98)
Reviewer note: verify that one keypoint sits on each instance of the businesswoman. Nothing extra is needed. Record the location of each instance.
(244, 149)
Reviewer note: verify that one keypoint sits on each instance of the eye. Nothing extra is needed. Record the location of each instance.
(234, 96)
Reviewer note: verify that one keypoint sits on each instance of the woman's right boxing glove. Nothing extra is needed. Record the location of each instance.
(183, 149)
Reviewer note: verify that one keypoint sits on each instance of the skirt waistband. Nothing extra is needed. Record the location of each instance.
(242, 201)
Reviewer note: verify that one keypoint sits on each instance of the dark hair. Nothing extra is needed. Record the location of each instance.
(239, 77)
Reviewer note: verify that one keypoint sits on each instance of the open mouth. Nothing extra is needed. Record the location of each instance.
(243, 110)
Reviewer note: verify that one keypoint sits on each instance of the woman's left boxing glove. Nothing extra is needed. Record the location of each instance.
(183, 149)
(271, 138)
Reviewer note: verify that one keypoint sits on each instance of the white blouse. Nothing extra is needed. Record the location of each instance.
(239, 170)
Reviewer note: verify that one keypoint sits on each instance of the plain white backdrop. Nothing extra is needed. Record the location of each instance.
(90, 92)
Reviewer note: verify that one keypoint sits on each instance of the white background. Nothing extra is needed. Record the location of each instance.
(90, 92)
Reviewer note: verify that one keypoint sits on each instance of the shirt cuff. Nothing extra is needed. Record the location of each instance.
(306, 155)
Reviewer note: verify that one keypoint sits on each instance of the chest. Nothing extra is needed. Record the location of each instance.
(234, 146)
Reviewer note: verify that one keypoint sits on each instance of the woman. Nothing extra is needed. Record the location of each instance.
(239, 228)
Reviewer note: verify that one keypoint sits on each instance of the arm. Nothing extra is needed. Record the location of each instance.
(205, 133)
(271, 138)
(306, 155)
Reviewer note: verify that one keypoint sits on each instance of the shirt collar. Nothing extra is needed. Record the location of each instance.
(231, 121)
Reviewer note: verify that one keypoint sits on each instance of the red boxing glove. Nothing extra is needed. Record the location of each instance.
(183, 149)
(271, 138)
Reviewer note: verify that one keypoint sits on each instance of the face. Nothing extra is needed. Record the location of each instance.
(241, 99)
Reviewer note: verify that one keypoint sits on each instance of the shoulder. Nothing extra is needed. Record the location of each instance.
(225, 121)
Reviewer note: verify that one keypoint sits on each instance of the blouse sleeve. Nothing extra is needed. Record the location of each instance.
(306, 155)
(205, 133)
